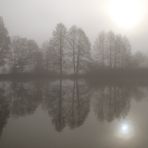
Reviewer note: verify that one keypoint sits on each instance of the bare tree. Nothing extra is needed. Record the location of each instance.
(24, 54)
(111, 46)
(83, 54)
(112, 50)
(79, 48)
(72, 44)
(50, 57)
(99, 48)
(58, 43)
(4, 43)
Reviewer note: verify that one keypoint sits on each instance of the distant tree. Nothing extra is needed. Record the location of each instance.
(35, 60)
(112, 50)
(4, 43)
(99, 47)
(51, 57)
(73, 44)
(127, 54)
(118, 51)
(58, 45)
(139, 60)
(111, 47)
(79, 46)
(83, 54)
(24, 54)
(38, 62)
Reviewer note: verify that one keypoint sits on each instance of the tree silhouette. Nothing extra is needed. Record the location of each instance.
(113, 51)
(79, 49)
(58, 44)
(4, 44)
(25, 55)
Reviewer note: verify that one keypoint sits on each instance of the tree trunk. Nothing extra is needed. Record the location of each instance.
(78, 62)
(61, 56)
(74, 66)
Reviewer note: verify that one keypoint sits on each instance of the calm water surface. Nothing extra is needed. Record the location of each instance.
(73, 114)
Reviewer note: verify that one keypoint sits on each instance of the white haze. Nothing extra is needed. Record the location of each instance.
(36, 19)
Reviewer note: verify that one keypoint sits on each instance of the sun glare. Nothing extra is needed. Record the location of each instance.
(127, 14)
(125, 130)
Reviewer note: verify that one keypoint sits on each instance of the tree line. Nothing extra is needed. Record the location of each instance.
(67, 51)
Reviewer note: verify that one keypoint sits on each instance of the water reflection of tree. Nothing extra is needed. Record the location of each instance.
(67, 101)
(112, 102)
(4, 109)
(25, 98)
(67, 104)
(53, 102)
(79, 105)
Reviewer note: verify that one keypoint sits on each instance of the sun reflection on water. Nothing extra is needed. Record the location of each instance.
(125, 130)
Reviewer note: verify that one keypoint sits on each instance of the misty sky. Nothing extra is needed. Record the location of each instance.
(36, 19)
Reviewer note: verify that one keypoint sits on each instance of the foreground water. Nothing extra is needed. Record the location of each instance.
(73, 114)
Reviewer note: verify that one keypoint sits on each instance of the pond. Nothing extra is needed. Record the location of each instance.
(73, 114)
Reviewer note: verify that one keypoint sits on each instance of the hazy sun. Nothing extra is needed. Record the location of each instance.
(127, 14)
